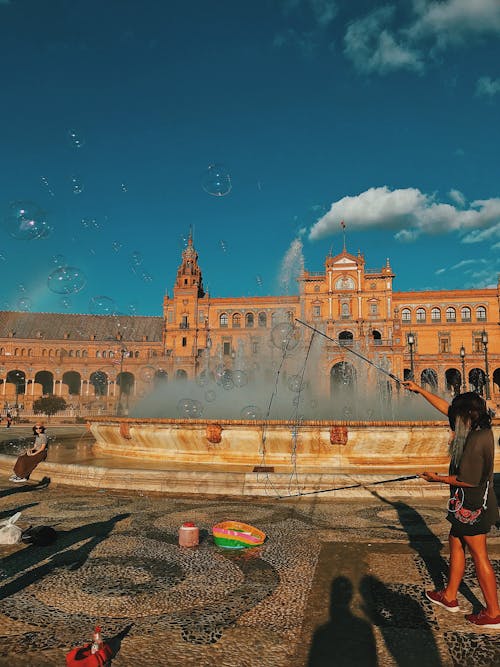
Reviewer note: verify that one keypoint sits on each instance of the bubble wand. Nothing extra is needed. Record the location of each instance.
(358, 354)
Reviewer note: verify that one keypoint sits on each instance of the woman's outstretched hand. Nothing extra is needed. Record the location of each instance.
(430, 476)
(411, 386)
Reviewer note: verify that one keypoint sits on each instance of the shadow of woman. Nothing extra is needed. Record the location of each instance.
(35, 563)
(428, 547)
(402, 621)
(346, 640)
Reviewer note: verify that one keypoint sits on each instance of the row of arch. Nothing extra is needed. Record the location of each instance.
(55, 353)
(450, 314)
(249, 319)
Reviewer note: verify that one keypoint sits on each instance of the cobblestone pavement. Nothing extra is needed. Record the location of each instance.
(336, 583)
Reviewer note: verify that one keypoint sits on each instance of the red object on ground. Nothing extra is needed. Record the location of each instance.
(82, 657)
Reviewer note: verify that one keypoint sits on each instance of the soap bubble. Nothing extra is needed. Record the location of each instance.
(24, 304)
(251, 412)
(227, 384)
(76, 185)
(216, 181)
(102, 305)
(135, 258)
(203, 378)
(25, 221)
(46, 183)
(66, 280)
(223, 245)
(285, 336)
(210, 395)
(258, 280)
(146, 277)
(65, 303)
(89, 224)
(240, 378)
(59, 260)
(116, 245)
(21, 287)
(295, 383)
(123, 187)
(75, 139)
(189, 408)
(147, 373)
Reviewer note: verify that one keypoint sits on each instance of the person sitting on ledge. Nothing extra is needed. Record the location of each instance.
(27, 462)
(472, 507)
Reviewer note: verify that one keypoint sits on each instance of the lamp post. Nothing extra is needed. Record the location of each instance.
(119, 407)
(411, 343)
(462, 357)
(484, 340)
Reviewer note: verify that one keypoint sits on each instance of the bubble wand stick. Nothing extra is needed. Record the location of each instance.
(358, 354)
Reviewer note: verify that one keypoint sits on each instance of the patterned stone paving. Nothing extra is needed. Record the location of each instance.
(336, 583)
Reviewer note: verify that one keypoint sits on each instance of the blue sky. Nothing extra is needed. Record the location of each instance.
(384, 115)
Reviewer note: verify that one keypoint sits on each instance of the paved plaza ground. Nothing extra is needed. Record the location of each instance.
(337, 582)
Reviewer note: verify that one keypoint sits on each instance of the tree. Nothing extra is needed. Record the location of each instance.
(49, 405)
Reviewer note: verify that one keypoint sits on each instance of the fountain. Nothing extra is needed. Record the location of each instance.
(264, 427)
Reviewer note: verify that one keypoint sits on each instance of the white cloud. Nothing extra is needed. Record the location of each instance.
(457, 197)
(371, 47)
(375, 43)
(410, 213)
(488, 87)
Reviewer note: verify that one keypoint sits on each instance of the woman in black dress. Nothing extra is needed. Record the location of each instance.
(26, 463)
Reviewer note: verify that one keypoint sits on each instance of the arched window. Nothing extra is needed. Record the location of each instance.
(136, 354)
(406, 315)
(345, 338)
(70, 353)
(104, 353)
(237, 320)
(436, 315)
(85, 353)
(77, 353)
(377, 337)
(111, 354)
(98, 353)
(262, 320)
(421, 314)
(223, 320)
(16, 352)
(249, 319)
(451, 314)
(465, 313)
(30, 352)
(481, 314)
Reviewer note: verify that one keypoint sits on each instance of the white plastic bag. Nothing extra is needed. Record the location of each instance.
(9, 533)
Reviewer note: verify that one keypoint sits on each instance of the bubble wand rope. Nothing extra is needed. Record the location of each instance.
(346, 347)
(351, 486)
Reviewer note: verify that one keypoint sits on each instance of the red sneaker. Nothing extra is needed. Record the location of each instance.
(482, 620)
(438, 598)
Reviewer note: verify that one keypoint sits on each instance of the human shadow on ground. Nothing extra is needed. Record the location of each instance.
(24, 488)
(35, 562)
(402, 622)
(345, 640)
(115, 642)
(423, 541)
(6, 513)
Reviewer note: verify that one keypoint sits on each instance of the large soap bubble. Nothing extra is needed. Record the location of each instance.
(285, 336)
(66, 280)
(251, 412)
(240, 378)
(102, 305)
(26, 221)
(216, 180)
(295, 383)
(189, 408)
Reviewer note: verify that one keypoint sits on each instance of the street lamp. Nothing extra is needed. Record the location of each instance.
(411, 343)
(484, 340)
(119, 407)
(462, 357)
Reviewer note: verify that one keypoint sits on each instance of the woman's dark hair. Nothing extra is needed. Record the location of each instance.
(469, 406)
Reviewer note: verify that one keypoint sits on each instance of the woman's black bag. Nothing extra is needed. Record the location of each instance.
(39, 536)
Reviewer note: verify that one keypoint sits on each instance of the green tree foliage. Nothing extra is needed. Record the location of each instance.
(49, 405)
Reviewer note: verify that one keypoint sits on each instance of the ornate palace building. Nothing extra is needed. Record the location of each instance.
(448, 339)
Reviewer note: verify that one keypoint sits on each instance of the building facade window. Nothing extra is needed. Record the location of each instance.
(436, 315)
(223, 320)
(406, 315)
(249, 320)
(451, 314)
(226, 347)
(444, 345)
(262, 320)
(184, 341)
(373, 308)
(421, 315)
(236, 321)
(465, 314)
(316, 311)
(481, 314)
